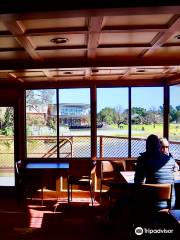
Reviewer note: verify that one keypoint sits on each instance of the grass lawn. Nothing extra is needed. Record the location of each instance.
(142, 130)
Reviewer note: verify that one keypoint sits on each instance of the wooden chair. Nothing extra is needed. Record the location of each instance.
(80, 174)
(110, 171)
(146, 196)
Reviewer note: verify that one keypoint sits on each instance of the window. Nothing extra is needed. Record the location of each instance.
(112, 122)
(41, 123)
(174, 121)
(7, 176)
(74, 123)
(71, 133)
(146, 116)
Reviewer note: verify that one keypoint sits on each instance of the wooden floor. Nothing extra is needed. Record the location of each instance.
(76, 221)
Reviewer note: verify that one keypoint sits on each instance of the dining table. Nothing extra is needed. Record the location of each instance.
(40, 174)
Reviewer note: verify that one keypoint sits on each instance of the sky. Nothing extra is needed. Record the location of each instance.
(146, 97)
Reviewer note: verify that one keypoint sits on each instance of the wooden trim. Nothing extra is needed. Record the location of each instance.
(166, 112)
(93, 123)
(129, 121)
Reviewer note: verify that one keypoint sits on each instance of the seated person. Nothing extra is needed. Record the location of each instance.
(165, 149)
(156, 165)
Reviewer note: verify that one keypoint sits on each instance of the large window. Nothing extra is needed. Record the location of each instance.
(7, 176)
(41, 123)
(67, 137)
(174, 121)
(58, 121)
(74, 123)
(146, 116)
(112, 122)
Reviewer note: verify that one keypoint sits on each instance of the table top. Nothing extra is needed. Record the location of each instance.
(129, 176)
(44, 165)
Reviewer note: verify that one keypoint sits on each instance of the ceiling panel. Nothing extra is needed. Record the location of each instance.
(103, 44)
(9, 42)
(159, 19)
(127, 38)
(47, 41)
(63, 53)
(115, 52)
(13, 55)
(171, 52)
(54, 23)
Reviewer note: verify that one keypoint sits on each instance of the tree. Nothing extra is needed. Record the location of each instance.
(42, 96)
(119, 116)
(107, 115)
(8, 122)
(172, 114)
(178, 108)
(138, 110)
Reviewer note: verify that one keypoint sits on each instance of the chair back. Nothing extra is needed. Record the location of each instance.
(111, 169)
(81, 168)
(149, 194)
(107, 170)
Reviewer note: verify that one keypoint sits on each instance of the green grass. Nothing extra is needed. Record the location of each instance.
(145, 130)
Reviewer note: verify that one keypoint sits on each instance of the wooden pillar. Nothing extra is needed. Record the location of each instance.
(129, 122)
(166, 112)
(93, 123)
(21, 128)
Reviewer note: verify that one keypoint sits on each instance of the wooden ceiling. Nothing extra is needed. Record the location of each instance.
(122, 45)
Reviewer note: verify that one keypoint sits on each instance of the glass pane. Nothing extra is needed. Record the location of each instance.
(112, 122)
(7, 177)
(147, 116)
(74, 123)
(174, 121)
(41, 123)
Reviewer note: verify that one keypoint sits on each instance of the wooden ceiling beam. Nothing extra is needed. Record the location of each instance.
(94, 31)
(126, 74)
(173, 79)
(39, 10)
(85, 63)
(162, 38)
(18, 32)
(87, 74)
(14, 77)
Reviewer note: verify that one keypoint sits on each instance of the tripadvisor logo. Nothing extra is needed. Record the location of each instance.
(138, 231)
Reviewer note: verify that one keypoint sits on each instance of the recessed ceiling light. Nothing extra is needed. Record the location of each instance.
(178, 36)
(95, 70)
(67, 72)
(59, 40)
(141, 70)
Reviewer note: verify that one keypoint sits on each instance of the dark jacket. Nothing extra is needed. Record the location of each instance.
(156, 168)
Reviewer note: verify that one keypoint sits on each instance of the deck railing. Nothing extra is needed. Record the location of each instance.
(76, 147)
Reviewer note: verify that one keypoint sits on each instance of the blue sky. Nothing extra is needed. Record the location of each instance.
(146, 97)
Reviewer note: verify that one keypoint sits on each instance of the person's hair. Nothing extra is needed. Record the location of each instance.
(152, 143)
(163, 141)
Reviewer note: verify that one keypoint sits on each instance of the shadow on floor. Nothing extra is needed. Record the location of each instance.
(76, 221)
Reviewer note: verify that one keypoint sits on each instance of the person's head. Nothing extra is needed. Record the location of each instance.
(152, 143)
(164, 146)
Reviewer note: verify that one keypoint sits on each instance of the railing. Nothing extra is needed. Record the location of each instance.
(76, 147)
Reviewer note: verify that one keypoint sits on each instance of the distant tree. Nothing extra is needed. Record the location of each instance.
(172, 114)
(8, 122)
(42, 96)
(107, 115)
(178, 117)
(178, 108)
(138, 110)
(119, 119)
